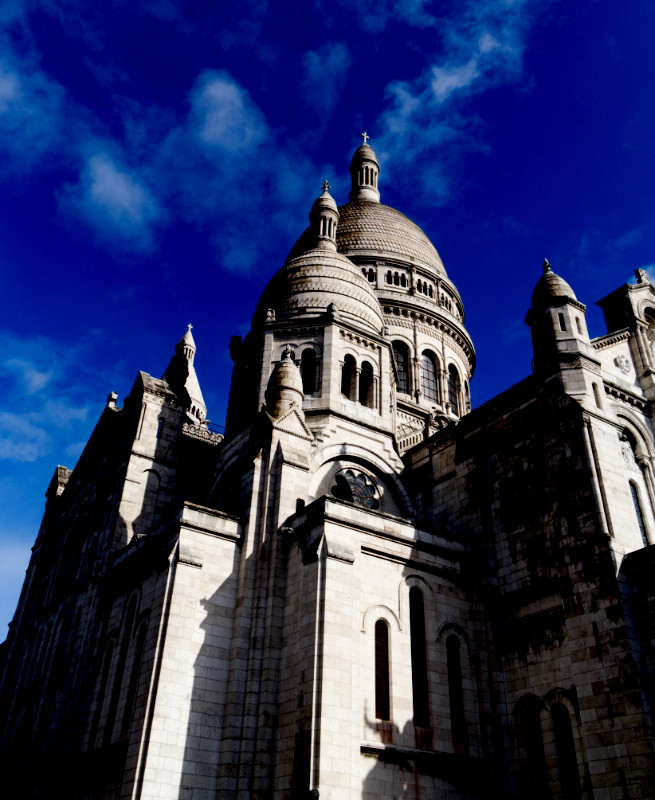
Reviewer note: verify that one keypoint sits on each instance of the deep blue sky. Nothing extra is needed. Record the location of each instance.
(158, 160)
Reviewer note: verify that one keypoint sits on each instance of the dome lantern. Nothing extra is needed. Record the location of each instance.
(324, 218)
(364, 171)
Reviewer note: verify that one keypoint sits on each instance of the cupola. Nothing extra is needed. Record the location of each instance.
(324, 218)
(364, 171)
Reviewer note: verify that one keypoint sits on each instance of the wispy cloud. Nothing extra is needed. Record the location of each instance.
(224, 116)
(115, 201)
(325, 72)
(481, 46)
(48, 397)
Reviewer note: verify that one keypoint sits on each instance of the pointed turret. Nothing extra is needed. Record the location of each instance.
(364, 171)
(181, 377)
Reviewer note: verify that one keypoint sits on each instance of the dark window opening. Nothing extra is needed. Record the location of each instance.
(401, 355)
(567, 762)
(429, 386)
(562, 322)
(366, 385)
(348, 377)
(308, 366)
(133, 685)
(531, 738)
(456, 695)
(454, 386)
(640, 515)
(382, 695)
(420, 693)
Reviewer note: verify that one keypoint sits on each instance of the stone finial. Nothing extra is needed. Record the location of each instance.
(641, 275)
(365, 137)
(546, 265)
(112, 397)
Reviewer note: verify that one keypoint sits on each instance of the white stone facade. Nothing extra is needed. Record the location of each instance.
(364, 589)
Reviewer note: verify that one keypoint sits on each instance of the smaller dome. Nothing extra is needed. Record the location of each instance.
(550, 286)
(313, 282)
(323, 202)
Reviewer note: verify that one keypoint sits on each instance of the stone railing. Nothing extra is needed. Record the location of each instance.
(202, 433)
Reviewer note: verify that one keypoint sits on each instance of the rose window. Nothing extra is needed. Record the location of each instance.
(357, 488)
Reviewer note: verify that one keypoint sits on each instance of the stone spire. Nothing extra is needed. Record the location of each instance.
(324, 218)
(364, 170)
(181, 377)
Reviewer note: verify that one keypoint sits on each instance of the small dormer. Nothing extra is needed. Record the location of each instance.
(364, 171)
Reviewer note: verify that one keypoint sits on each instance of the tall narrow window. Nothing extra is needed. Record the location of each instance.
(640, 516)
(120, 671)
(133, 685)
(102, 692)
(567, 762)
(456, 695)
(578, 325)
(562, 322)
(308, 371)
(420, 693)
(453, 389)
(366, 385)
(401, 355)
(429, 377)
(348, 376)
(535, 777)
(382, 695)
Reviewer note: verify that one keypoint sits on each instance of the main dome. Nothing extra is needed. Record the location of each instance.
(372, 230)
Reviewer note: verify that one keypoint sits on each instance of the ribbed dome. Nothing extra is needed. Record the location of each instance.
(316, 280)
(372, 229)
(550, 286)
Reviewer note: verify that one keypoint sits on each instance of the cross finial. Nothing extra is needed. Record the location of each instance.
(326, 186)
(189, 326)
(365, 137)
(546, 265)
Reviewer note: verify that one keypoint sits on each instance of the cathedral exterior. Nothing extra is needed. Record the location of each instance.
(364, 589)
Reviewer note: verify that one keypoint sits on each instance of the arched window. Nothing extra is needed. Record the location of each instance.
(533, 773)
(308, 371)
(382, 693)
(401, 356)
(567, 762)
(348, 377)
(128, 622)
(133, 685)
(102, 692)
(429, 386)
(453, 389)
(456, 695)
(366, 393)
(634, 491)
(420, 692)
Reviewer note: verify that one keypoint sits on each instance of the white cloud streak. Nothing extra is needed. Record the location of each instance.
(482, 47)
